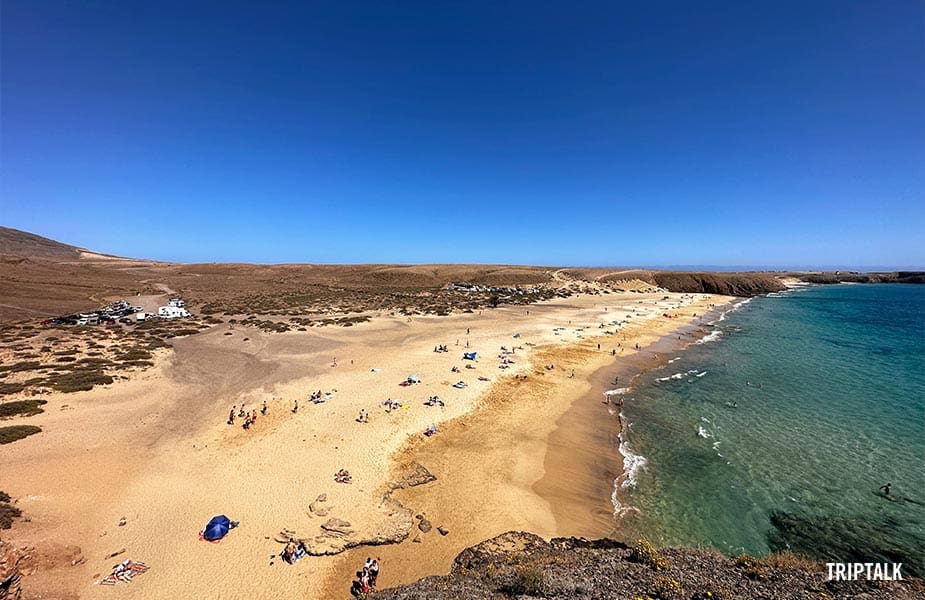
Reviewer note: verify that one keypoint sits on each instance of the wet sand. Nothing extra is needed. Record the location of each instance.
(583, 460)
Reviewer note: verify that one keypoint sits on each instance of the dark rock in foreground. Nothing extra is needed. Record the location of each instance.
(523, 565)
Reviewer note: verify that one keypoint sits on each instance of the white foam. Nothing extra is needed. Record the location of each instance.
(632, 464)
(616, 392)
(712, 337)
(674, 359)
(700, 374)
(703, 432)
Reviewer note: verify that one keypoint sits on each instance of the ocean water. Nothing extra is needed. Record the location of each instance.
(776, 432)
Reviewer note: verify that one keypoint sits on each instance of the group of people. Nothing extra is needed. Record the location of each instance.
(249, 417)
(442, 348)
(364, 416)
(432, 430)
(294, 551)
(366, 579)
(434, 401)
(316, 397)
(391, 405)
(343, 476)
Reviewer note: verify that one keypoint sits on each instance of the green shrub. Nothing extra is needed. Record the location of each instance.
(528, 580)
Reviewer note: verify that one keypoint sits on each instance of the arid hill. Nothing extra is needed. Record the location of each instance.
(43, 278)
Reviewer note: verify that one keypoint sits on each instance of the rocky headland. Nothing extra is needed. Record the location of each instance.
(523, 565)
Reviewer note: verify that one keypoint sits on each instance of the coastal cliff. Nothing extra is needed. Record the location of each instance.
(856, 277)
(523, 565)
(727, 284)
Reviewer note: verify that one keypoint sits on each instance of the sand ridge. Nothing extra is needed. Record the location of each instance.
(156, 449)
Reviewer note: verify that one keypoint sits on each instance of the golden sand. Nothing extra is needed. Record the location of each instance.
(156, 449)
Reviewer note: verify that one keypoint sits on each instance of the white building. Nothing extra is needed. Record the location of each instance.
(172, 312)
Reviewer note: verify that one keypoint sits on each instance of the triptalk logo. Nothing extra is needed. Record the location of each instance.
(868, 571)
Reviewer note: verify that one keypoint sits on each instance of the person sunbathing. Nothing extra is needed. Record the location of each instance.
(289, 551)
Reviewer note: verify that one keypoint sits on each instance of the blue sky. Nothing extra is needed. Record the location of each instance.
(647, 133)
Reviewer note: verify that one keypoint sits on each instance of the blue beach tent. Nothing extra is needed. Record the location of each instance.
(469, 355)
(217, 528)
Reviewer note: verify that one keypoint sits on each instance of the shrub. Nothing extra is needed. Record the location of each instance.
(11, 388)
(80, 381)
(23, 408)
(8, 513)
(10, 434)
(134, 354)
(528, 580)
(791, 562)
(752, 565)
(644, 552)
(667, 588)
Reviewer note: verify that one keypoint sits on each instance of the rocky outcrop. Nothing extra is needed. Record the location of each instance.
(10, 576)
(727, 284)
(855, 277)
(523, 565)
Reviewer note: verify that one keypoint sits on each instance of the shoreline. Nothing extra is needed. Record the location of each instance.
(586, 457)
(489, 461)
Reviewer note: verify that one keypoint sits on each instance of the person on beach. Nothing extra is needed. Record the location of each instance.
(263, 409)
(373, 569)
(886, 489)
(295, 406)
(467, 331)
(231, 416)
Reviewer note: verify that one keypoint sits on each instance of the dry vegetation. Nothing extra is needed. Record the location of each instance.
(35, 359)
(8, 512)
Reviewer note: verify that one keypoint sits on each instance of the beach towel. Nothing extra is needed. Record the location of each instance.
(123, 571)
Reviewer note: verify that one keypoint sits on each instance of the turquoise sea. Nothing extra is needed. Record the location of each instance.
(776, 432)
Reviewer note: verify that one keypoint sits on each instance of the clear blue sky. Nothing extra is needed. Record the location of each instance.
(574, 133)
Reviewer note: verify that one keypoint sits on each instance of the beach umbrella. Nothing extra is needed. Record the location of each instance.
(216, 528)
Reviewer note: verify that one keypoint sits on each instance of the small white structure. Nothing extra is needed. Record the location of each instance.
(172, 312)
(176, 302)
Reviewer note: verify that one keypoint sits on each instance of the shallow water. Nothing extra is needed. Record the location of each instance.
(777, 432)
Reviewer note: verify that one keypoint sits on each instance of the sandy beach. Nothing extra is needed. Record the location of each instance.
(156, 449)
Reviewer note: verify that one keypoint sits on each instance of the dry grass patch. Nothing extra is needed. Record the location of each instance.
(12, 433)
(21, 408)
